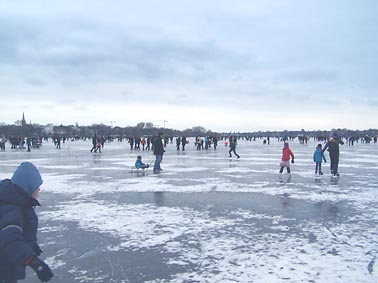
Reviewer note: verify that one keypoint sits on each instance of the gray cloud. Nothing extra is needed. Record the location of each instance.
(86, 50)
(259, 55)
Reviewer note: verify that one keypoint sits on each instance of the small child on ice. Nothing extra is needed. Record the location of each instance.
(318, 158)
(139, 164)
(286, 154)
(19, 225)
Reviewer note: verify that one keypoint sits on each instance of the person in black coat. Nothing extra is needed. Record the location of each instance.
(334, 152)
(183, 142)
(158, 152)
(178, 143)
(94, 143)
(233, 142)
(19, 224)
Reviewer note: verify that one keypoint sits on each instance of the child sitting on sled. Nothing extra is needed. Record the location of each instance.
(139, 164)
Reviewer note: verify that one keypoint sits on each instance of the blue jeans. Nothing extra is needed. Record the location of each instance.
(159, 158)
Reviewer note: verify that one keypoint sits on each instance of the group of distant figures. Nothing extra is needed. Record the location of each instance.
(147, 143)
(19, 142)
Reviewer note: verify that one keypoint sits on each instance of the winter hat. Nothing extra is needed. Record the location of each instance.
(27, 177)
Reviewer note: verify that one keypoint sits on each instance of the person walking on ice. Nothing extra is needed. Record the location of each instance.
(233, 146)
(318, 158)
(158, 152)
(285, 160)
(334, 152)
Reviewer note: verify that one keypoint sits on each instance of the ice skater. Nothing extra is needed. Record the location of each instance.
(178, 143)
(285, 160)
(94, 143)
(183, 142)
(233, 143)
(334, 152)
(318, 158)
(158, 152)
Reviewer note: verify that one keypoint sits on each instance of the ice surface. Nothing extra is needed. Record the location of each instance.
(206, 217)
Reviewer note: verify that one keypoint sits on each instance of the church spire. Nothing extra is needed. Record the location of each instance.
(23, 121)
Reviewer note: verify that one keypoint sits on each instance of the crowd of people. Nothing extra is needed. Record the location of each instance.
(157, 144)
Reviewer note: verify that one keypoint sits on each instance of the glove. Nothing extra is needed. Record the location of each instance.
(292, 160)
(43, 271)
(37, 249)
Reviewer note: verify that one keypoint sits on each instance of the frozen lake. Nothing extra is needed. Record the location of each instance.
(207, 217)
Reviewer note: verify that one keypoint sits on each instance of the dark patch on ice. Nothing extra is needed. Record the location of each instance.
(371, 265)
(311, 238)
(86, 258)
(333, 252)
(224, 203)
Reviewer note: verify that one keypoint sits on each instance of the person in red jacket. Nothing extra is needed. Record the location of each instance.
(286, 154)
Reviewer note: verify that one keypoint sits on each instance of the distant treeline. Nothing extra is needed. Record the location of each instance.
(98, 129)
(142, 130)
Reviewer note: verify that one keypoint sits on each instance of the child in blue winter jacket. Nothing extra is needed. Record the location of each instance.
(19, 224)
(139, 164)
(318, 158)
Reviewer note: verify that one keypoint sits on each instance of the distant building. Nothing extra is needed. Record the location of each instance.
(23, 121)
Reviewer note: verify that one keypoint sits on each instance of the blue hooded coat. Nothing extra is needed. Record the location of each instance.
(18, 221)
(319, 155)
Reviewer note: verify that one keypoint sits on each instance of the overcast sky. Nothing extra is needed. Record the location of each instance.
(225, 65)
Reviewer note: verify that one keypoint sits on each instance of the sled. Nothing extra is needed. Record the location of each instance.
(140, 171)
